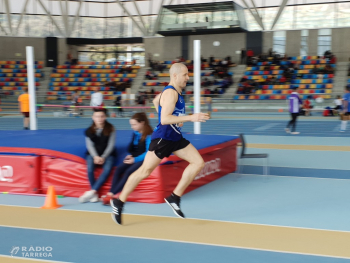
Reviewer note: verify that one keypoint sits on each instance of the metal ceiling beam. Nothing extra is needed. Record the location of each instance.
(131, 17)
(75, 18)
(139, 15)
(156, 26)
(254, 15)
(64, 18)
(8, 12)
(21, 17)
(49, 15)
(3, 29)
(257, 14)
(283, 5)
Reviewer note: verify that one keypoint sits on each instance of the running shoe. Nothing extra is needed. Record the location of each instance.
(175, 205)
(117, 209)
(295, 132)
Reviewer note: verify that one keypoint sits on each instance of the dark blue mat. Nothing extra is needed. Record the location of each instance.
(73, 141)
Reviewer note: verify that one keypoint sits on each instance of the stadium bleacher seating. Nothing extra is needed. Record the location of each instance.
(167, 64)
(86, 76)
(314, 85)
(13, 76)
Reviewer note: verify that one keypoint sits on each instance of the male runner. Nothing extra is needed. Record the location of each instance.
(167, 139)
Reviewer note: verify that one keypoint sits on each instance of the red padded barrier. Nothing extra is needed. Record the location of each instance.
(19, 174)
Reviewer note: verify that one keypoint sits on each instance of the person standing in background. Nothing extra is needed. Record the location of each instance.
(294, 109)
(96, 98)
(243, 55)
(24, 107)
(346, 109)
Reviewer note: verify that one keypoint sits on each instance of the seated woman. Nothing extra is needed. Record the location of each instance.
(100, 143)
(138, 148)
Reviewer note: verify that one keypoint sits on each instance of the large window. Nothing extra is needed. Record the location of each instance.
(324, 41)
(279, 42)
(304, 50)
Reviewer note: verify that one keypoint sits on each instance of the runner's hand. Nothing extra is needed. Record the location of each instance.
(200, 117)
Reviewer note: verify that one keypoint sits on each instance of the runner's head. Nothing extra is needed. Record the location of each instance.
(179, 75)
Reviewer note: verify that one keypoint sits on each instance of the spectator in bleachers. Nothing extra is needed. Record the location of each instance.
(75, 97)
(137, 150)
(216, 91)
(150, 75)
(100, 143)
(333, 60)
(96, 98)
(24, 107)
(327, 54)
(283, 80)
(270, 53)
(328, 69)
(306, 107)
(206, 83)
(250, 53)
(118, 103)
(243, 56)
(141, 100)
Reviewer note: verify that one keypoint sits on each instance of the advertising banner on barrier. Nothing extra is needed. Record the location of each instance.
(19, 174)
(70, 178)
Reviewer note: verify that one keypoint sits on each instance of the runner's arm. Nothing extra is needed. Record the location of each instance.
(156, 102)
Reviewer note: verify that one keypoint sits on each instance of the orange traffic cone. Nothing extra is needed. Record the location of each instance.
(151, 115)
(50, 201)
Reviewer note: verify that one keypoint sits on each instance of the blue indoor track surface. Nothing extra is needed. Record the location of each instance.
(100, 248)
(298, 213)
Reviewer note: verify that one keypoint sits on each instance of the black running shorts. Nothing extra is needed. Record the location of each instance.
(164, 148)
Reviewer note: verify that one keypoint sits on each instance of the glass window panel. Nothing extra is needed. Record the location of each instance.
(113, 27)
(37, 25)
(53, 29)
(304, 49)
(343, 14)
(305, 33)
(250, 21)
(324, 44)
(315, 16)
(325, 32)
(269, 16)
(136, 32)
(279, 42)
(92, 27)
(286, 19)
